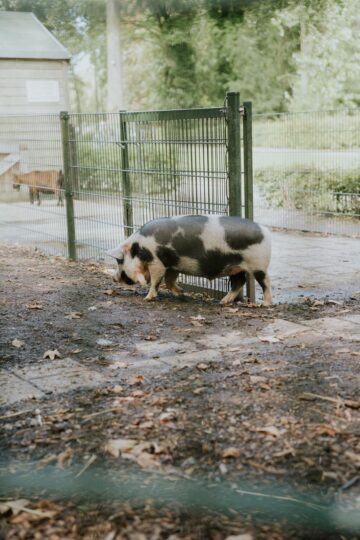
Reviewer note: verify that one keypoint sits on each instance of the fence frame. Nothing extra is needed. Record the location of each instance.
(68, 181)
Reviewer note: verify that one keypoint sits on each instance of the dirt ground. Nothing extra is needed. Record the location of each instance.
(205, 422)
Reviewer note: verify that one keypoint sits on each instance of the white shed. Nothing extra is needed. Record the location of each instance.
(33, 81)
(33, 67)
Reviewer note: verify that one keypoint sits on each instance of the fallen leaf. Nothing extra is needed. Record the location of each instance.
(34, 305)
(231, 310)
(255, 379)
(197, 324)
(104, 342)
(118, 365)
(202, 366)
(354, 458)
(65, 456)
(17, 343)
(167, 416)
(35, 514)
(230, 452)
(326, 430)
(117, 446)
(110, 292)
(74, 315)
(138, 394)
(159, 401)
(197, 320)
(269, 339)
(13, 506)
(270, 430)
(199, 391)
(52, 354)
(136, 379)
(146, 425)
(117, 389)
(245, 536)
(147, 461)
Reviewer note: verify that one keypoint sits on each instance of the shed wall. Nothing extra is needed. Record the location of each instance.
(13, 77)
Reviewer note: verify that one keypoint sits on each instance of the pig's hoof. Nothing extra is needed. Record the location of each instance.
(150, 298)
(178, 291)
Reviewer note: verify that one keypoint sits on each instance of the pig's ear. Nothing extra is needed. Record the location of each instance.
(117, 253)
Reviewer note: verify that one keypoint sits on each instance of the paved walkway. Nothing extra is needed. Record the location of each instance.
(310, 265)
(153, 358)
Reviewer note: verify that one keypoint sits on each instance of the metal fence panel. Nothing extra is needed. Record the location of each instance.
(306, 170)
(31, 143)
(129, 168)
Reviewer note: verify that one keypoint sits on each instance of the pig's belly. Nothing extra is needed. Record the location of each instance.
(192, 267)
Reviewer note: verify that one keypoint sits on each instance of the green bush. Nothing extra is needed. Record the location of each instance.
(311, 190)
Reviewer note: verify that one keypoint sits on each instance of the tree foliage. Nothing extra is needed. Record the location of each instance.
(281, 54)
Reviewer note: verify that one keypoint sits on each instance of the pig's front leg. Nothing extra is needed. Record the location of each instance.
(157, 272)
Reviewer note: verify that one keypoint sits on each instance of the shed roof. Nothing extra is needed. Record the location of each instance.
(23, 36)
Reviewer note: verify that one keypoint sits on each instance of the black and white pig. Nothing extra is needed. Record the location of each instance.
(208, 246)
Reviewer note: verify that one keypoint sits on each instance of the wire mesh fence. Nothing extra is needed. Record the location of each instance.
(31, 152)
(303, 508)
(307, 170)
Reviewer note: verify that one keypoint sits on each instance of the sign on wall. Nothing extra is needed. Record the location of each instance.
(42, 91)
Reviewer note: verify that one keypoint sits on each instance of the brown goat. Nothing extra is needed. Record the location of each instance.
(41, 182)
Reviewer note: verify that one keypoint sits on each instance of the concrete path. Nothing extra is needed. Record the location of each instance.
(151, 359)
(310, 265)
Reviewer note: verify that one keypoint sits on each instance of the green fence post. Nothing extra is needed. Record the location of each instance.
(70, 216)
(248, 160)
(74, 162)
(126, 183)
(234, 153)
(248, 180)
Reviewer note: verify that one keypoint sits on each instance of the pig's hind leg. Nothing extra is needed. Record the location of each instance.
(170, 281)
(237, 282)
(156, 275)
(264, 281)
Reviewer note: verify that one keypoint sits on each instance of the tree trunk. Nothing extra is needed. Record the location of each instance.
(115, 97)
